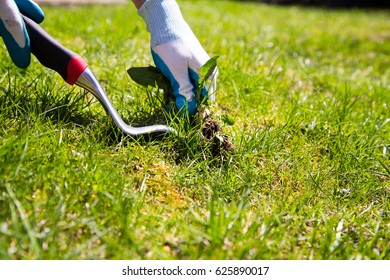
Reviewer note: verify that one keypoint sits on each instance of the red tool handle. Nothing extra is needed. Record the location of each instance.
(52, 54)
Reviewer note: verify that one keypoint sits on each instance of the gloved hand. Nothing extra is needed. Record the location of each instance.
(13, 30)
(177, 52)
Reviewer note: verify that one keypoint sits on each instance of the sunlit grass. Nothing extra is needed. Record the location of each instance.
(308, 90)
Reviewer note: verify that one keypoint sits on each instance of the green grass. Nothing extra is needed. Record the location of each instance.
(310, 179)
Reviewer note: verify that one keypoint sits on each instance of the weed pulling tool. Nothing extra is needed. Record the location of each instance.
(75, 71)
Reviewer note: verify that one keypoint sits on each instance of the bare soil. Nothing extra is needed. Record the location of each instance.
(220, 143)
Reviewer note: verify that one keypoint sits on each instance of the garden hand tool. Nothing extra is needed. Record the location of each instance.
(74, 70)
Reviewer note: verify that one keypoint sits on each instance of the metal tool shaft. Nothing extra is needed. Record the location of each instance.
(88, 81)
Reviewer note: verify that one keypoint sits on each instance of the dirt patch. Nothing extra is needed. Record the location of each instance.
(219, 143)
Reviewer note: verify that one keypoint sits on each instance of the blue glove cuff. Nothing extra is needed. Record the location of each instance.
(164, 21)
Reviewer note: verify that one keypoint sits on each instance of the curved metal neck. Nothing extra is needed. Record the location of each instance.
(88, 81)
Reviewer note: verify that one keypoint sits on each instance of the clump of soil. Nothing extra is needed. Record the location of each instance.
(210, 129)
(219, 143)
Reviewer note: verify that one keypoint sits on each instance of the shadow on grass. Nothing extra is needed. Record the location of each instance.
(43, 101)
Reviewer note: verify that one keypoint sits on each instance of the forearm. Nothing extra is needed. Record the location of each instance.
(138, 3)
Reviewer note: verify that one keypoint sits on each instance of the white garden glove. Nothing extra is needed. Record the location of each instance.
(177, 52)
(13, 30)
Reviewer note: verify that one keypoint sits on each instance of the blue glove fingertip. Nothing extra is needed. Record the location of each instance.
(203, 94)
(20, 56)
(194, 78)
(31, 9)
(192, 107)
(184, 106)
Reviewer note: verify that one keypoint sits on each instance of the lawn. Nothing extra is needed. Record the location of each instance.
(308, 90)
